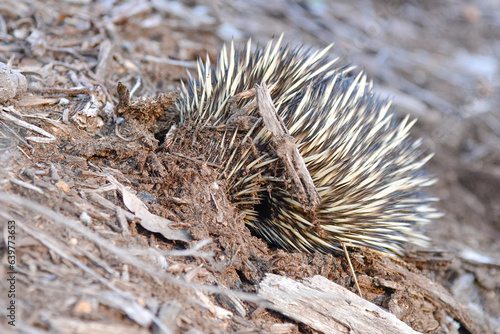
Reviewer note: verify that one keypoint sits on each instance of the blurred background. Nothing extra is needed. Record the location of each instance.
(438, 60)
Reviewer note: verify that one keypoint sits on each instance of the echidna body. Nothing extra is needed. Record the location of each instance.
(366, 168)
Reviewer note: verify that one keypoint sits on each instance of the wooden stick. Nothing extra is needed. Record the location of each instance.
(352, 270)
(287, 150)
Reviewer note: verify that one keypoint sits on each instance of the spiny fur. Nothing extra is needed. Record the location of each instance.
(366, 168)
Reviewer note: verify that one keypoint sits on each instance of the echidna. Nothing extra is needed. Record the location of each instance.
(366, 168)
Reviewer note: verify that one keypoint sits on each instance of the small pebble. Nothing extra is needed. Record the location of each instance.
(83, 306)
(471, 13)
(146, 197)
(85, 219)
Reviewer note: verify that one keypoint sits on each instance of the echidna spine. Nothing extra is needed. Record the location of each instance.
(364, 164)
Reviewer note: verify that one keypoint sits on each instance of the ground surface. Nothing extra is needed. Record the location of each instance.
(83, 260)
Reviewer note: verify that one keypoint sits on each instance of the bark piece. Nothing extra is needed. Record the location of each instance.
(433, 292)
(327, 307)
